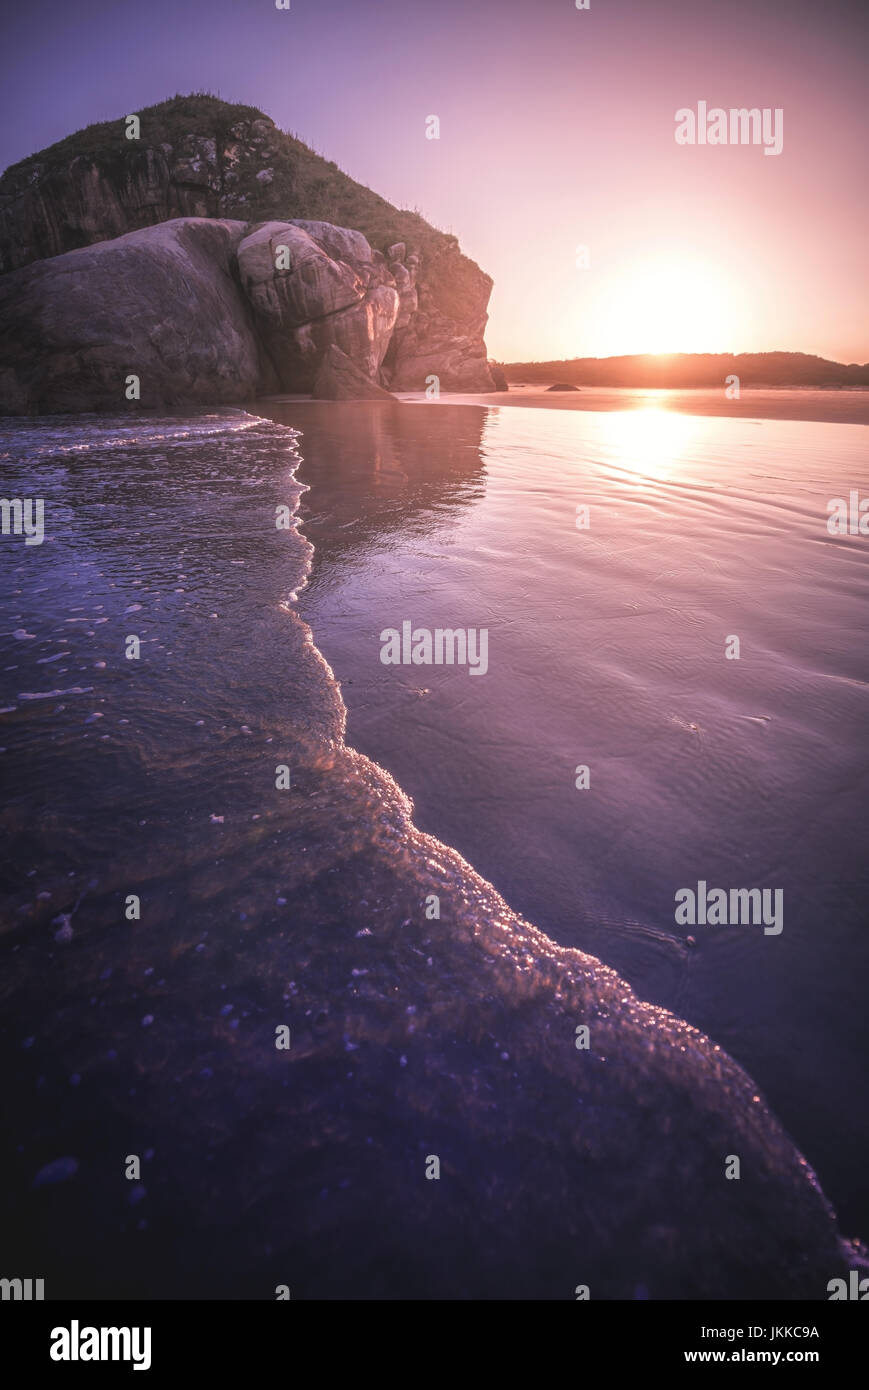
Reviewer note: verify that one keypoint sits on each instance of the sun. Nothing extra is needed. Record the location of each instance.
(666, 306)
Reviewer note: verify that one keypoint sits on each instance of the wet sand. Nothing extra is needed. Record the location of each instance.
(824, 407)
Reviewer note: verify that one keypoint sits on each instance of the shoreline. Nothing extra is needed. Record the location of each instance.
(404, 449)
(806, 404)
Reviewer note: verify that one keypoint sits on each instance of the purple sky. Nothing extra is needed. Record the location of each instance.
(557, 131)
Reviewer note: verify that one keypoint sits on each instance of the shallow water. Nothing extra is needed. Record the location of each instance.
(305, 907)
(834, 405)
(607, 648)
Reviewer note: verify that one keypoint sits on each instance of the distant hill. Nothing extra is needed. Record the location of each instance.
(693, 369)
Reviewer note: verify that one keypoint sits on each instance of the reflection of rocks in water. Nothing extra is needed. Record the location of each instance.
(411, 1037)
(404, 459)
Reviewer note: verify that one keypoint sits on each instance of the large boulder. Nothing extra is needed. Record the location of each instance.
(339, 379)
(290, 279)
(311, 286)
(346, 245)
(161, 304)
(363, 333)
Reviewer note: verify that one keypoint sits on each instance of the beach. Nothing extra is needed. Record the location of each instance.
(834, 406)
(248, 781)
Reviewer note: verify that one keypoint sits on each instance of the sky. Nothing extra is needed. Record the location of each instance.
(557, 165)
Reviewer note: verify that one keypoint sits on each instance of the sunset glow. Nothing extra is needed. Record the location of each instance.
(666, 306)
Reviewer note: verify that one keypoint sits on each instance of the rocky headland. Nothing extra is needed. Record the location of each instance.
(214, 258)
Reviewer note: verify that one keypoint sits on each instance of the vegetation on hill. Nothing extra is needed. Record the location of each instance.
(693, 369)
(303, 183)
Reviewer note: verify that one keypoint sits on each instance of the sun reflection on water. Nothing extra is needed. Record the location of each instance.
(651, 439)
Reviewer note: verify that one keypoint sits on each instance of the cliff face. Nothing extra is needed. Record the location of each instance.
(200, 157)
